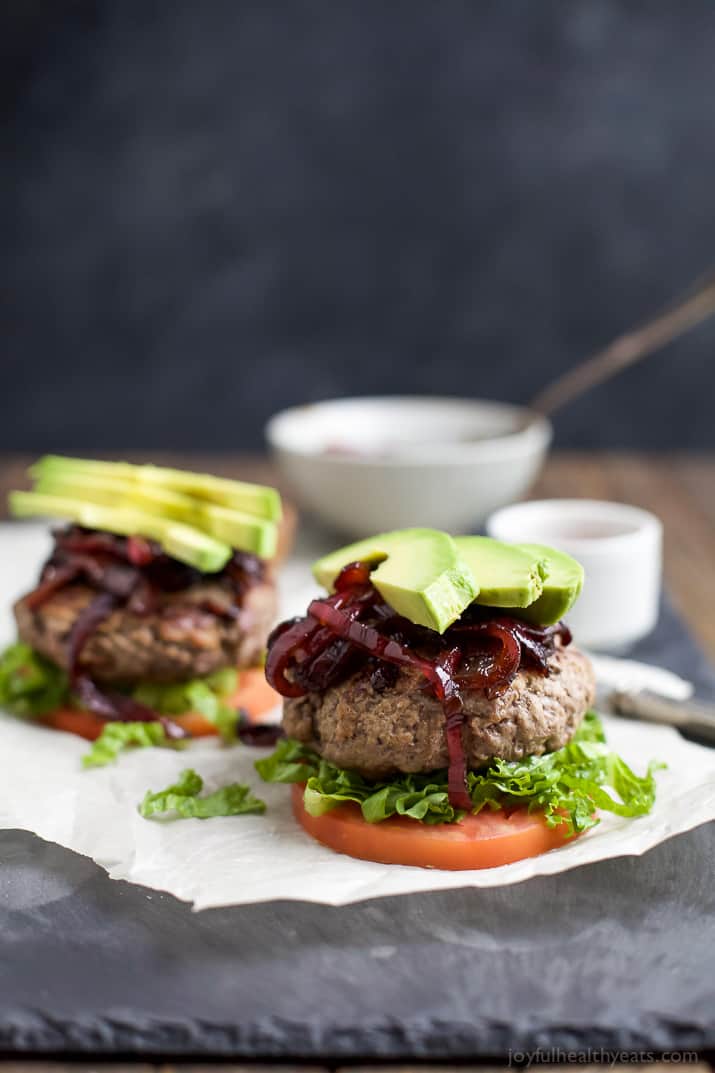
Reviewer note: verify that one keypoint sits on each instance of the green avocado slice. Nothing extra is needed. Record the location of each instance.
(244, 531)
(185, 543)
(506, 575)
(420, 574)
(256, 499)
(562, 585)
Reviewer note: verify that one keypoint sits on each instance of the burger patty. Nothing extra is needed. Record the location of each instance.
(402, 728)
(178, 641)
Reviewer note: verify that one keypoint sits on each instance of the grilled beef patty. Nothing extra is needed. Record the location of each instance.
(401, 727)
(181, 639)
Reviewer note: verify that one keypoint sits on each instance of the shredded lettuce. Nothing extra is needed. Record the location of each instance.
(568, 785)
(29, 684)
(183, 799)
(116, 737)
(207, 695)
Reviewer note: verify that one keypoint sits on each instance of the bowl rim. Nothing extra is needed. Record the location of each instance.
(535, 435)
(644, 523)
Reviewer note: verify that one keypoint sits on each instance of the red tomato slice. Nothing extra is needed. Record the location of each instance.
(483, 841)
(74, 721)
(253, 695)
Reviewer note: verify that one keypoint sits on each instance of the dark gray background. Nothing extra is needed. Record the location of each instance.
(210, 211)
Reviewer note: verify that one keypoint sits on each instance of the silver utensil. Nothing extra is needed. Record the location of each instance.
(696, 717)
(694, 307)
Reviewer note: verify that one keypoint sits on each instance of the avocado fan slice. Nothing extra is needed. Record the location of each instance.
(244, 531)
(256, 499)
(420, 573)
(183, 542)
(506, 575)
(431, 578)
(562, 585)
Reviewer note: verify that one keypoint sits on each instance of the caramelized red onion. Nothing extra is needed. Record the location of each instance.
(118, 706)
(90, 617)
(262, 735)
(135, 570)
(52, 579)
(115, 706)
(129, 572)
(355, 626)
(123, 564)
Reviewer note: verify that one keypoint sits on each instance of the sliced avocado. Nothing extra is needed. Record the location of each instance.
(420, 574)
(506, 575)
(113, 491)
(257, 499)
(562, 585)
(244, 531)
(182, 541)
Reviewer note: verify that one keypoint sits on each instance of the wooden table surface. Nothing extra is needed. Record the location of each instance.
(680, 489)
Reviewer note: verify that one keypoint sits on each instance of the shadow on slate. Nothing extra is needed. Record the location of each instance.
(611, 955)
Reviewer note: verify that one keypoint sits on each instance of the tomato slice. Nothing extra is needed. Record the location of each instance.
(253, 695)
(74, 721)
(483, 841)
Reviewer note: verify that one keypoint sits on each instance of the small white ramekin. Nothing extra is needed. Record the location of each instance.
(620, 548)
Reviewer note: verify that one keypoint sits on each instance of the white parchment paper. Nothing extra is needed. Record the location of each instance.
(236, 860)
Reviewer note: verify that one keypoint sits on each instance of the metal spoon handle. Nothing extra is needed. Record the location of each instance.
(627, 349)
(693, 716)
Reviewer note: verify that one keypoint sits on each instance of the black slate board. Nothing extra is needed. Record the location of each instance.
(615, 955)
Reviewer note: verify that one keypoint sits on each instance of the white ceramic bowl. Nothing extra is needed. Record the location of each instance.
(620, 548)
(366, 465)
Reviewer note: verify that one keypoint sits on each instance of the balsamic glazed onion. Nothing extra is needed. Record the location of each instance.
(355, 627)
(134, 573)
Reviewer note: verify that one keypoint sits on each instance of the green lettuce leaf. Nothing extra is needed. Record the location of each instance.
(422, 797)
(183, 799)
(207, 695)
(568, 785)
(29, 684)
(116, 737)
